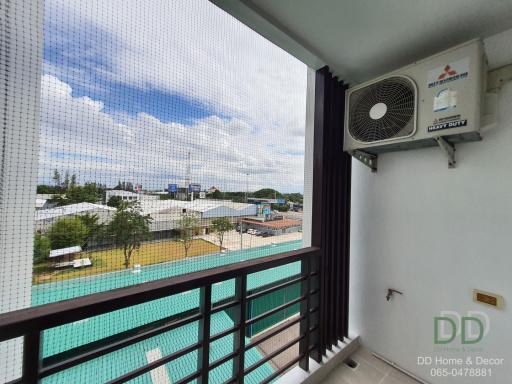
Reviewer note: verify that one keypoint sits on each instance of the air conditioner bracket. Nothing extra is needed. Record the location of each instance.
(448, 149)
(368, 159)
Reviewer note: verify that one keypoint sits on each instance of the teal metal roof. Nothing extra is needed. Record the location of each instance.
(120, 362)
(85, 331)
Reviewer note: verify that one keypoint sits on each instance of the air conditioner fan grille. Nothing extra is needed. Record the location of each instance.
(383, 110)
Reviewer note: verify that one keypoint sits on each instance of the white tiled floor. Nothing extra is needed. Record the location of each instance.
(370, 370)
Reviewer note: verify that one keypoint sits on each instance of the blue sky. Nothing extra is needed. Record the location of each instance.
(130, 87)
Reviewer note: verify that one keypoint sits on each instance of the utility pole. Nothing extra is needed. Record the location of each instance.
(189, 176)
(246, 186)
(241, 233)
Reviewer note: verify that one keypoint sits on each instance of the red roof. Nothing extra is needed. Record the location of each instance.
(275, 224)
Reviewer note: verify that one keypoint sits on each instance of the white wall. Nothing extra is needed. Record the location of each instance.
(435, 233)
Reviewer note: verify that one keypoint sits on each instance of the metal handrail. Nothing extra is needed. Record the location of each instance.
(30, 322)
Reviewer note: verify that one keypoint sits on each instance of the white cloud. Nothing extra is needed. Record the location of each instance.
(77, 135)
(190, 48)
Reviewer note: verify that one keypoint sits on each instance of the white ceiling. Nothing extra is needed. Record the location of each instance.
(360, 39)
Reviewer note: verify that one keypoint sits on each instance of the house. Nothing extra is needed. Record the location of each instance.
(213, 189)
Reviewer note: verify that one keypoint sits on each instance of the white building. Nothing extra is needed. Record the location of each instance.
(45, 218)
(167, 213)
(129, 196)
(124, 195)
(43, 201)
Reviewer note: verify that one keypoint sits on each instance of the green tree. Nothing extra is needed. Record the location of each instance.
(215, 195)
(124, 186)
(89, 193)
(94, 227)
(280, 208)
(48, 189)
(115, 201)
(42, 248)
(56, 178)
(73, 183)
(219, 227)
(65, 183)
(128, 229)
(267, 193)
(187, 226)
(68, 232)
(294, 197)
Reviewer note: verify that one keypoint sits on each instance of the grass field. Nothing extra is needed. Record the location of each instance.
(113, 259)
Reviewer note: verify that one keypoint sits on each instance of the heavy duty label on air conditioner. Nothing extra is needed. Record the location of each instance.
(447, 122)
(447, 73)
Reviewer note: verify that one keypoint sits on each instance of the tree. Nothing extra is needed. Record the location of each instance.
(294, 197)
(267, 193)
(124, 186)
(94, 227)
(48, 189)
(215, 195)
(65, 183)
(128, 229)
(68, 232)
(89, 193)
(115, 201)
(56, 178)
(73, 183)
(280, 208)
(187, 225)
(42, 248)
(219, 227)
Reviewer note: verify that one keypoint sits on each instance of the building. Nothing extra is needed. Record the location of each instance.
(256, 200)
(167, 213)
(43, 201)
(130, 196)
(45, 218)
(64, 257)
(124, 195)
(273, 227)
(213, 189)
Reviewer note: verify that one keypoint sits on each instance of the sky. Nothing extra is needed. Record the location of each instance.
(130, 87)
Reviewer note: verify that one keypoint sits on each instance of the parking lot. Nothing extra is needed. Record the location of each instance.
(232, 239)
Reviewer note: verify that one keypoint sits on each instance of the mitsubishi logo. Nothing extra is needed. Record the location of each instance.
(448, 71)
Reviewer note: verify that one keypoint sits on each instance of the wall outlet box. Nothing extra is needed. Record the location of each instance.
(487, 298)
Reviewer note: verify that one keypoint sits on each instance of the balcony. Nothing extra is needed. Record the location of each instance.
(230, 364)
(315, 306)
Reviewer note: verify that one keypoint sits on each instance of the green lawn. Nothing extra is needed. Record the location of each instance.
(113, 259)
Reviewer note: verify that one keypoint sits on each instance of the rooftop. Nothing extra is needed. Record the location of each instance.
(71, 209)
(72, 335)
(65, 251)
(120, 192)
(200, 205)
(275, 224)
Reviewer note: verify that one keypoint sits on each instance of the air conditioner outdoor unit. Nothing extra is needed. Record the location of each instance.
(435, 101)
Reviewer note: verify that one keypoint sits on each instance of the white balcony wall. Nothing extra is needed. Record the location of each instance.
(436, 234)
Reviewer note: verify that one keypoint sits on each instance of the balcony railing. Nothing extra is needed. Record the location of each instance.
(31, 322)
